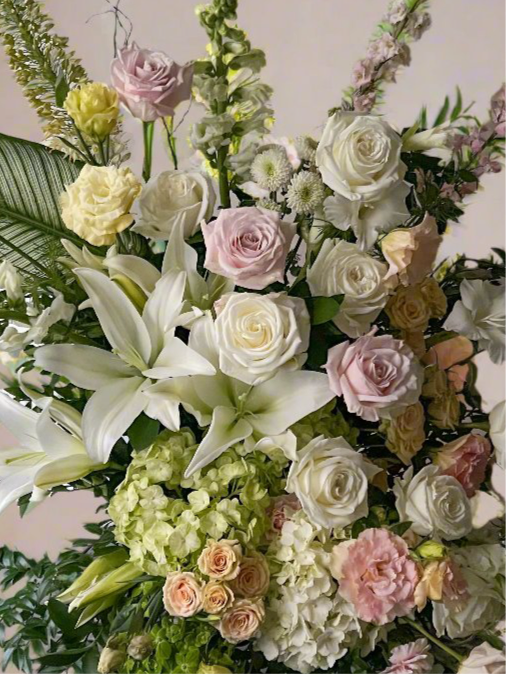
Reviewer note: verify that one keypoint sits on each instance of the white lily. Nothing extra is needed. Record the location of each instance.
(145, 349)
(50, 451)
(234, 410)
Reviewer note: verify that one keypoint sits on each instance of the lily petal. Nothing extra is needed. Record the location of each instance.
(225, 431)
(121, 322)
(165, 410)
(87, 367)
(178, 360)
(182, 389)
(140, 271)
(163, 307)
(16, 485)
(276, 404)
(20, 421)
(57, 443)
(63, 471)
(109, 413)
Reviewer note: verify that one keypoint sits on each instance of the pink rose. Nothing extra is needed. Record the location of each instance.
(242, 620)
(378, 577)
(377, 376)
(466, 460)
(149, 84)
(248, 245)
(411, 252)
(412, 658)
(182, 594)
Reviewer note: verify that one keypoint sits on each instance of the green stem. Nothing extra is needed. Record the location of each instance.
(148, 133)
(416, 626)
(73, 148)
(103, 157)
(171, 140)
(221, 160)
(86, 149)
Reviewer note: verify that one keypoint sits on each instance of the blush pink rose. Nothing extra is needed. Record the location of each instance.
(377, 376)
(248, 245)
(149, 84)
(466, 459)
(182, 594)
(378, 577)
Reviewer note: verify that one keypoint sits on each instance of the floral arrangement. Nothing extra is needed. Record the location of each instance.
(257, 362)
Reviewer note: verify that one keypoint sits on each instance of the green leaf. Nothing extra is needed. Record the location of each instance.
(422, 119)
(323, 309)
(457, 108)
(61, 90)
(61, 616)
(143, 431)
(32, 177)
(443, 113)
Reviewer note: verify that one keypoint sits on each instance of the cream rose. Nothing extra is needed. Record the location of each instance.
(259, 334)
(330, 479)
(408, 309)
(216, 597)
(254, 577)
(436, 504)
(497, 421)
(341, 268)
(359, 156)
(405, 434)
(242, 620)
(220, 559)
(97, 205)
(185, 197)
(484, 659)
(182, 594)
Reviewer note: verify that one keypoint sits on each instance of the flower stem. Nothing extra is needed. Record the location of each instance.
(171, 140)
(148, 133)
(416, 626)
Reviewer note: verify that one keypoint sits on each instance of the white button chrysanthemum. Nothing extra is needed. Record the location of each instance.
(271, 169)
(306, 192)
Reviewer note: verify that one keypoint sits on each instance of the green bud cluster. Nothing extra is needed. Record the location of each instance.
(329, 422)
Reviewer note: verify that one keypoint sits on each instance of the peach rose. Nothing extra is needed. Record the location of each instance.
(441, 579)
(254, 576)
(408, 310)
(242, 620)
(466, 459)
(220, 559)
(447, 355)
(405, 434)
(411, 252)
(216, 597)
(182, 594)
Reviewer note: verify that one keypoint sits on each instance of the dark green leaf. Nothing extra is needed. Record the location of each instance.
(443, 113)
(61, 617)
(323, 309)
(457, 108)
(400, 528)
(143, 431)
(61, 90)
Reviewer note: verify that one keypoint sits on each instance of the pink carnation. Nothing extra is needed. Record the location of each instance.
(279, 512)
(378, 577)
(149, 84)
(466, 460)
(412, 658)
(377, 376)
(497, 111)
(248, 245)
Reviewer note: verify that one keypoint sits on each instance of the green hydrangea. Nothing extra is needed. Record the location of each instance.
(327, 421)
(165, 519)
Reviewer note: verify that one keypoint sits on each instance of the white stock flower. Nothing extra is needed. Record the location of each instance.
(234, 410)
(331, 481)
(11, 281)
(50, 451)
(257, 335)
(436, 504)
(187, 197)
(359, 156)
(497, 421)
(145, 349)
(484, 659)
(341, 268)
(480, 316)
(368, 219)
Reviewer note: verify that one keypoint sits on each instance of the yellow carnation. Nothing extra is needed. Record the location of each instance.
(97, 205)
(94, 107)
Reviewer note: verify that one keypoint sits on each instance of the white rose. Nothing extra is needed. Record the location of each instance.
(359, 156)
(187, 197)
(484, 659)
(11, 281)
(436, 504)
(330, 479)
(259, 334)
(497, 421)
(341, 268)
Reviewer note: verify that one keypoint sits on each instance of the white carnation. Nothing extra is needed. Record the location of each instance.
(436, 504)
(341, 268)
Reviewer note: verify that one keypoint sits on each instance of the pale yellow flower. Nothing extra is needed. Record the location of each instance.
(94, 107)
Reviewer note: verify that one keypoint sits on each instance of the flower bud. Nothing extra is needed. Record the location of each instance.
(110, 660)
(140, 647)
(431, 550)
(212, 669)
(94, 107)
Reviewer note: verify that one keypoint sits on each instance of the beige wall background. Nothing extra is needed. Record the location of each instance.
(311, 47)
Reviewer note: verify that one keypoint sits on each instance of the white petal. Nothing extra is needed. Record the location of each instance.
(17, 485)
(165, 410)
(383, 215)
(120, 321)
(20, 421)
(178, 360)
(282, 401)
(184, 390)
(84, 366)
(163, 308)
(140, 271)
(485, 507)
(63, 470)
(109, 413)
(225, 431)
(56, 442)
(203, 339)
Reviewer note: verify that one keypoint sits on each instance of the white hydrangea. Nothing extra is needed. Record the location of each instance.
(308, 624)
